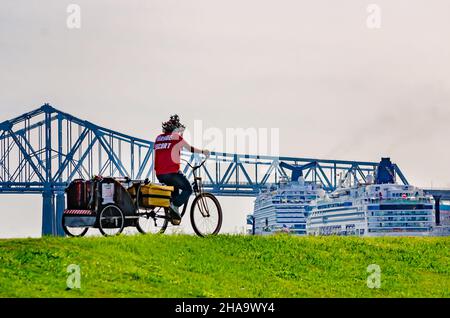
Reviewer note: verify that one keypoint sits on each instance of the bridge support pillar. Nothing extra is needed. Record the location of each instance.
(60, 206)
(48, 213)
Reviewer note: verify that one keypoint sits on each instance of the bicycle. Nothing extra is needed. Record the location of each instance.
(206, 212)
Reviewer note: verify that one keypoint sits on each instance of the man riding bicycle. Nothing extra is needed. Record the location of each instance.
(167, 147)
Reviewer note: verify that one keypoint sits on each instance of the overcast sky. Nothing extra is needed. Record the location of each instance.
(334, 87)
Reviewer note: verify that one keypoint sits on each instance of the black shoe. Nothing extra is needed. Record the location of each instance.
(175, 217)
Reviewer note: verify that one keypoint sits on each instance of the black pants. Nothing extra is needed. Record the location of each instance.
(180, 182)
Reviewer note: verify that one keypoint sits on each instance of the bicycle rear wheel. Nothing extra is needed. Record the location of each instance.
(154, 222)
(206, 215)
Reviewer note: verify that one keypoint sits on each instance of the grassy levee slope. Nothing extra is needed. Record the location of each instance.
(225, 266)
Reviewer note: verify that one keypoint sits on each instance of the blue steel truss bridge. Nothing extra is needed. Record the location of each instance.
(42, 151)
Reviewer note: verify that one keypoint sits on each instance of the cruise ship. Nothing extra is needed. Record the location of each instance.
(379, 207)
(284, 207)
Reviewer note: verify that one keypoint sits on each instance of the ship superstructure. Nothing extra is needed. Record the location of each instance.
(377, 207)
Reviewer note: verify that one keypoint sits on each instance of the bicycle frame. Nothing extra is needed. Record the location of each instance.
(198, 189)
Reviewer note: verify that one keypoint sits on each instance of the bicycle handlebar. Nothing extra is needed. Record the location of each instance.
(197, 166)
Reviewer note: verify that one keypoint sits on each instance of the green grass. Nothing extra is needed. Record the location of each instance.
(225, 266)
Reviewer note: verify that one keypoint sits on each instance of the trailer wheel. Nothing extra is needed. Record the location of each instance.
(75, 231)
(111, 220)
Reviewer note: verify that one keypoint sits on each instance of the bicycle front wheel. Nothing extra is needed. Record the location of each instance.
(206, 215)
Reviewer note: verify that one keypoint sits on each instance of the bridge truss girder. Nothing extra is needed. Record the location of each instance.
(45, 149)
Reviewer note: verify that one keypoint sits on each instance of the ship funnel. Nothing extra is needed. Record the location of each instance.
(297, 171)
(385, 172)
(437, 209)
